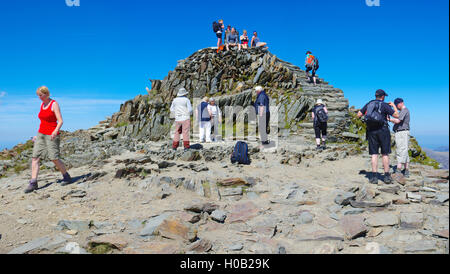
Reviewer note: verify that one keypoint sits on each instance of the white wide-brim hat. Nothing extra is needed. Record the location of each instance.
(319, 102)
(182, 92)
(258, 88)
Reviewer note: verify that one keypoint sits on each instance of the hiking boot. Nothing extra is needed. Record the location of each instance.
(33, 185)
(318, 148)
(406, 173)
(67, 180)
(324, 147)
(374, 179)
(387, 178)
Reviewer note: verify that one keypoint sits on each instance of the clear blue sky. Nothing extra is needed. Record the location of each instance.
(95, 56)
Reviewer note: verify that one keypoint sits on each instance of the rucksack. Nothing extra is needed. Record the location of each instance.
(240, 154)
(316, 63)
(310, 60)
(322, 116)
(373, 115)
(216, 26)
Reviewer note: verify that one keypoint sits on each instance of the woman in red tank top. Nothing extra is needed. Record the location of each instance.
(46, 143)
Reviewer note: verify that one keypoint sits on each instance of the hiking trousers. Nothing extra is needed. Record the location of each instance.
(205, 130)
(402, 146)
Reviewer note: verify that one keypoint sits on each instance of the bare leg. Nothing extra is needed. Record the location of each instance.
(375, 163)
(318, 141)
(34, 168)
(227, 47)
(386, 163)
(60, 166)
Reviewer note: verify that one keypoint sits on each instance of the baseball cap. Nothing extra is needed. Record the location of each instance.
(398, 101)
(380, 92)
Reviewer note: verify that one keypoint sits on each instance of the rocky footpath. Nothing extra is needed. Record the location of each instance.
(292, 199)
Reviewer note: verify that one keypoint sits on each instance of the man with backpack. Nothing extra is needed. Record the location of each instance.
(311, 64)
(263, 113)
(376, 113)
(401, 129)
(320, 117)
(217, 28)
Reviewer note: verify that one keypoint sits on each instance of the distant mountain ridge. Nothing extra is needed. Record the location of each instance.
(441, 156)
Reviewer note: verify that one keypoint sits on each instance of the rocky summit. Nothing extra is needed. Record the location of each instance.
(133, 194)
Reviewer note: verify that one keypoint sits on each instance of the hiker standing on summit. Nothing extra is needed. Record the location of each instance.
(181, 107)
(46, 143)
(311, 64)
(376, 113)
(217, 28)
(401, 129)
(320, 117)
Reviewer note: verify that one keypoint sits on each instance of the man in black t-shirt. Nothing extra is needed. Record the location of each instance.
(378, 133)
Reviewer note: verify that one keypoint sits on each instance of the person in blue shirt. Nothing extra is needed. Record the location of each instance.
(263, 113)
(233, 40)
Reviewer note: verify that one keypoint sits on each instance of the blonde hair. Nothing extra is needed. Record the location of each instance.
(220, 21)
(244, 31)
(43, 90)
(206, 99)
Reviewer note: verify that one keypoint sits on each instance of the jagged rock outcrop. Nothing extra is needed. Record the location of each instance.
(230, 77)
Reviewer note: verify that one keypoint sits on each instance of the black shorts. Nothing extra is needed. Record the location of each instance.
(380, 138)
(219, 35)
(309, 68)
(320, 128)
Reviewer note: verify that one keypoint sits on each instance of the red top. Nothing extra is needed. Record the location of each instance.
(48, 119)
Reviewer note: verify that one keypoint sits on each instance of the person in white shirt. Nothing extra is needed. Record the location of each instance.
(204, 120)
(182, 109)
(216, 118)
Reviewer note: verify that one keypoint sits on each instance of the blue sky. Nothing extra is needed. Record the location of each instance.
(97, 55)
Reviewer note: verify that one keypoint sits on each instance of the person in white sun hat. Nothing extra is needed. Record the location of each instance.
(320, 117)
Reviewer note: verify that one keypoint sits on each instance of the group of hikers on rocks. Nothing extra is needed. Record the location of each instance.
(232, 39)
(376, 115)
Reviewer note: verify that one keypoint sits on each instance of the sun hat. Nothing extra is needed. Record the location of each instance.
(182, 92)
(258, 88)
(319, 102)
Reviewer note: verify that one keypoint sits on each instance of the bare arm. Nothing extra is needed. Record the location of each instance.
(326, 110)
(360, 114)
(58, 115)
(395, 121)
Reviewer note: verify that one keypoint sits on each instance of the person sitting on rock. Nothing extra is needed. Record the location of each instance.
(216, 118)
(227, 33)
(256, 43)
(233, 40)
(46, 143)
(378, 134)
(244, 40)
(204, 118)
(320, 117)
(311, 64)
(182, 109)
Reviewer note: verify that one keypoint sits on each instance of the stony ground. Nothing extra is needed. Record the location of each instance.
(289, 200)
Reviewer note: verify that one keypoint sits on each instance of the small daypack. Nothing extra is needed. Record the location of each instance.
(216, 27)
(373, 115)
(322, 116)
(240, 154)
(316, 63)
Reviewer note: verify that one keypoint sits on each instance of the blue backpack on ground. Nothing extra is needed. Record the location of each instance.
(240, 154)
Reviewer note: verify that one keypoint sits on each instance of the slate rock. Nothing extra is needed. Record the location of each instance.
(382, 219)
(353, 226)
(344, 198)
(152, 223)
(411, 220)
(219, 216)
